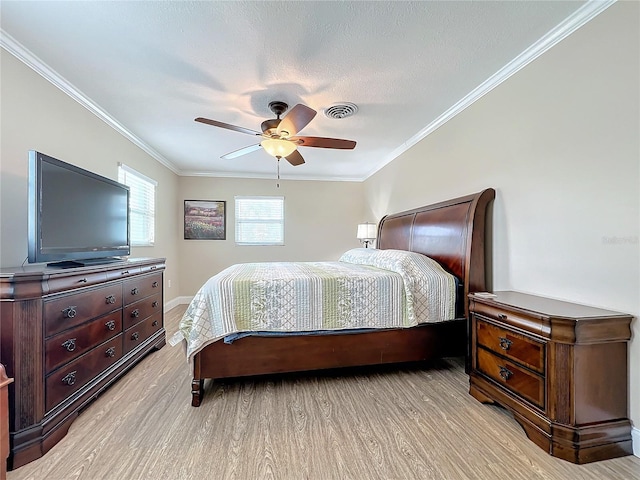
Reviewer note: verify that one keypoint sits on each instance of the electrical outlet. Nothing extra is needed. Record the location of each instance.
(169, 283)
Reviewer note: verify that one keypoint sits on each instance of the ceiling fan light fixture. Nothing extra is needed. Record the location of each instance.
(277, 147)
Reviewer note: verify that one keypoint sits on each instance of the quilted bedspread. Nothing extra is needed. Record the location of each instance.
(367, 288)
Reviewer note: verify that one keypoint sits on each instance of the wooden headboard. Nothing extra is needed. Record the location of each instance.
(451, 232)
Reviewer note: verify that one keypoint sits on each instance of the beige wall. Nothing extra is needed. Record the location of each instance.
(560, 143)
(35, 115)
(320, 224)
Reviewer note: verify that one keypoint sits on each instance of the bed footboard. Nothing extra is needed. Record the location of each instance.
(251, 356)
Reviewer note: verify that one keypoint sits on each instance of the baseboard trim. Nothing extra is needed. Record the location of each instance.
(635, 439)
(175, 302)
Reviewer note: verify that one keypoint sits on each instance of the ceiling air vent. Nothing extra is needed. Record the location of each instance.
(341, 110)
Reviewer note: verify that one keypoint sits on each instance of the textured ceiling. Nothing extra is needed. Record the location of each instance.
(150, 68)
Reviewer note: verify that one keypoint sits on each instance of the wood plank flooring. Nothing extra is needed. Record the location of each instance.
(384, 423)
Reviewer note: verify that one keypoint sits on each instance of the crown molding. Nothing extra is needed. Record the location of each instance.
(12, 46)
(580, 17)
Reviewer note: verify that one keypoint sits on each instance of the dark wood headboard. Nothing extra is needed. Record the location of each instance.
(451, 232)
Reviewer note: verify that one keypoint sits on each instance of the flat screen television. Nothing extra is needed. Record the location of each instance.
(76, 217)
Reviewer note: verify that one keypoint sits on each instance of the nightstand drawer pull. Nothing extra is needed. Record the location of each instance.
(110, 299)
(135, 336)
(111, 352)
(154, 304)
(70, 312)
(135, 313)
(155, 323)
(505, 343)
(154, 284)
(111, 325)
(505, 373)
(134, 291)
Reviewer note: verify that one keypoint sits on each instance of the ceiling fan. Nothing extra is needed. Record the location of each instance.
(279, 137)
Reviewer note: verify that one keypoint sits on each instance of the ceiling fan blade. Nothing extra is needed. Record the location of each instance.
(228, 126)
(242, 151)
(294, 121)
(323, 142)
(295, 158)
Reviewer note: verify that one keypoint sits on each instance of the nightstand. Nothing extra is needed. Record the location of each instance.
(560, 368)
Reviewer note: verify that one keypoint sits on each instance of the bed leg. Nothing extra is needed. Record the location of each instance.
(197, 391)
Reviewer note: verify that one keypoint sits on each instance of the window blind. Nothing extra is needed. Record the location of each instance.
(142, 201)
(259, 220)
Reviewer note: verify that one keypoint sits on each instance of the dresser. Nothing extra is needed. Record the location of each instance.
(67, 334)
(559, 367)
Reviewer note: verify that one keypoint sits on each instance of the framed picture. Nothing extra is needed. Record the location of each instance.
(205, 220)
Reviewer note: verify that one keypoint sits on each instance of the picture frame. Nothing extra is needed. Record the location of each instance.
(205, 220)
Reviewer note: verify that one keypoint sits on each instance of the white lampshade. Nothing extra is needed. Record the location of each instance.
(367, 231)
(277, 147)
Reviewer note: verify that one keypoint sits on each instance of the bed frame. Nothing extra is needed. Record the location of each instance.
(451, 232)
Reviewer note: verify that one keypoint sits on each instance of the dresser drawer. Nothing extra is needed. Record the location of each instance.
(517, 379)
(142, 309)
(68, 311)
(58, 283)
(72, 343)
(511, 344)
(141, 287)
(137, 334)
(72, 377)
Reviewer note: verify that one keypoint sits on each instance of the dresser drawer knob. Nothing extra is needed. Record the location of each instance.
(134, 291)
(135, 313)
(154, 284)
(505, 343)
(82, 280)
(155, 323)
(126, 272)
(111, 325)
(70, 312)
(111, 299)
(111, 352)
(69, 345)
(69, 378)
(502, 316)
(505, 373)
(135, 336)
(154, 304)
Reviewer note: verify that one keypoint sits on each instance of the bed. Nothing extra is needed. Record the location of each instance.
(451, 232)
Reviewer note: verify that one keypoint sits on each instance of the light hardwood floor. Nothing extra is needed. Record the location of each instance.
(385, 423)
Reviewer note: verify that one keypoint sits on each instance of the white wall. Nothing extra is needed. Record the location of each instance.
(560, 143)
(35, 115)
(320, 224)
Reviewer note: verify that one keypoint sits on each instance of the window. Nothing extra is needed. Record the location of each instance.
(259, 220)
(142, 205)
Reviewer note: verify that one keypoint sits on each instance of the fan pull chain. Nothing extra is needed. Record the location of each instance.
(278, 184)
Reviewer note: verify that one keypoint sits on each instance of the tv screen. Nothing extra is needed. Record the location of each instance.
(76, 217)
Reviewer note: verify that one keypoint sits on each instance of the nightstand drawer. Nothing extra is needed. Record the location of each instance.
(501, 314)
(511, 344)
(517, 379)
